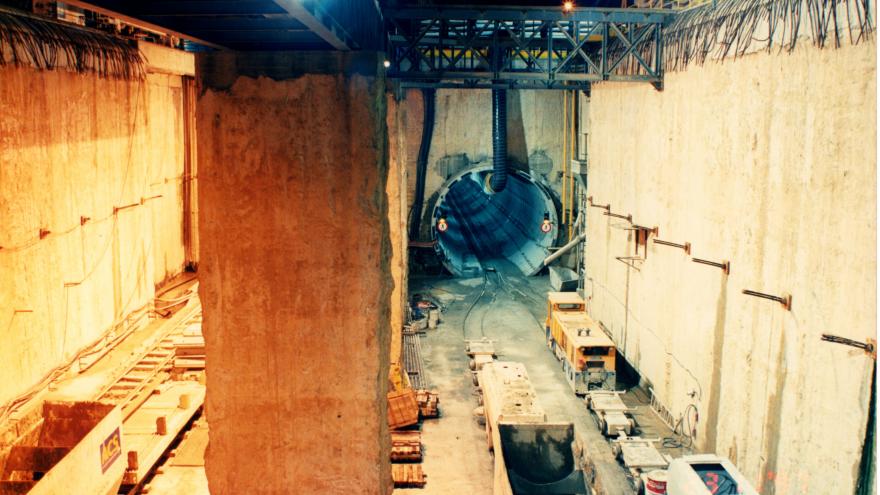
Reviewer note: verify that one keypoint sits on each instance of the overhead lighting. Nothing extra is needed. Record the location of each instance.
(387, 64)
(567, 6)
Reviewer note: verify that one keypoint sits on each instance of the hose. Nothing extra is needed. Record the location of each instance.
(499, 140)
(415, 220)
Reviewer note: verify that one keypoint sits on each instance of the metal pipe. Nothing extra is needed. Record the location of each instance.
(564, 154)
(415, 220)
(686, 246)
(564, 249)
(725, 265)
(868, 347)
(628, 218)
(784, 300)
(573, 149)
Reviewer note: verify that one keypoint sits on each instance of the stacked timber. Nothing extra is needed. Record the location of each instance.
(406, 446)
(408, 476)
(428, 403)
(189, 349)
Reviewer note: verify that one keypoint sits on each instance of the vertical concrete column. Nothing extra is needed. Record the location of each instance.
(295, 271)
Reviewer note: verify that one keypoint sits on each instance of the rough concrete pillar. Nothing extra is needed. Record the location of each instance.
(295, 272)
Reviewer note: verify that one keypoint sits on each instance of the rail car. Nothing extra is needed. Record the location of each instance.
(587, 354)
(532, 456)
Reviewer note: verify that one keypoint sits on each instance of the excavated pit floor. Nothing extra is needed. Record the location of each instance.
(508, 308)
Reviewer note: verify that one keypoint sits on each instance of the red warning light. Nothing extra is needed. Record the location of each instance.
(442, 225)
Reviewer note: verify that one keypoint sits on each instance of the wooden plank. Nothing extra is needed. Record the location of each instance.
(428, 403)
(179, 480)
(406, 446)
(408, 475)
(403, 410)
(139, 430)
(191, 451)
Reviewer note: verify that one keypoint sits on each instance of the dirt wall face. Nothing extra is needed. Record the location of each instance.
(295, 274)
(767, 162)
(397, 218)
(72, 148)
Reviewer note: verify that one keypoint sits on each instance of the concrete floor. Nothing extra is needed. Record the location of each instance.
(510, 311)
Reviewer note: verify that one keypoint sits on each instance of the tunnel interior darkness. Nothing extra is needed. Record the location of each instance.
(474, 226)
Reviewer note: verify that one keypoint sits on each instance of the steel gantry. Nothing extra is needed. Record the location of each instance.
(525, 47)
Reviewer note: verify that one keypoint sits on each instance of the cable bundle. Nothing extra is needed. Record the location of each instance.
(732, 28)
(26, 39)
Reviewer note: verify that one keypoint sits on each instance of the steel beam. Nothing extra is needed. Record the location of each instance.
(503, 47)
(147, 26)
(321, 23)
(533, 14)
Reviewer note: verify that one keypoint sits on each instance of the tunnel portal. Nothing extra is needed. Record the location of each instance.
(473, 226)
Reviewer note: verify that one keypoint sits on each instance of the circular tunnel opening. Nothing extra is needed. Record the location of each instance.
(474, 226)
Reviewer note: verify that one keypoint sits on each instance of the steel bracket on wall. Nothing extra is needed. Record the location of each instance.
(533, 48)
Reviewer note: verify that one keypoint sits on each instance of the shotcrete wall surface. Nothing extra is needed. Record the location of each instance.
(295, 272)
(768, 162)
(72, 148)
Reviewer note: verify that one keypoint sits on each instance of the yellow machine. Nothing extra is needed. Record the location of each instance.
(587, 354)
(564, 302)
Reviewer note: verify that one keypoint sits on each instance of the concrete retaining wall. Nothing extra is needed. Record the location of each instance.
(72, 146)
(768, 162)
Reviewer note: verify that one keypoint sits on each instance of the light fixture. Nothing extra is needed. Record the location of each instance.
(442, 226)
(387, 64)
(567, 6)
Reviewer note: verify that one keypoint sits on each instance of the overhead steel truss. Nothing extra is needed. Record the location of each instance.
(525, 47)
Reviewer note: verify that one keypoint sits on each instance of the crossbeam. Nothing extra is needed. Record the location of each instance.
(524, 46)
